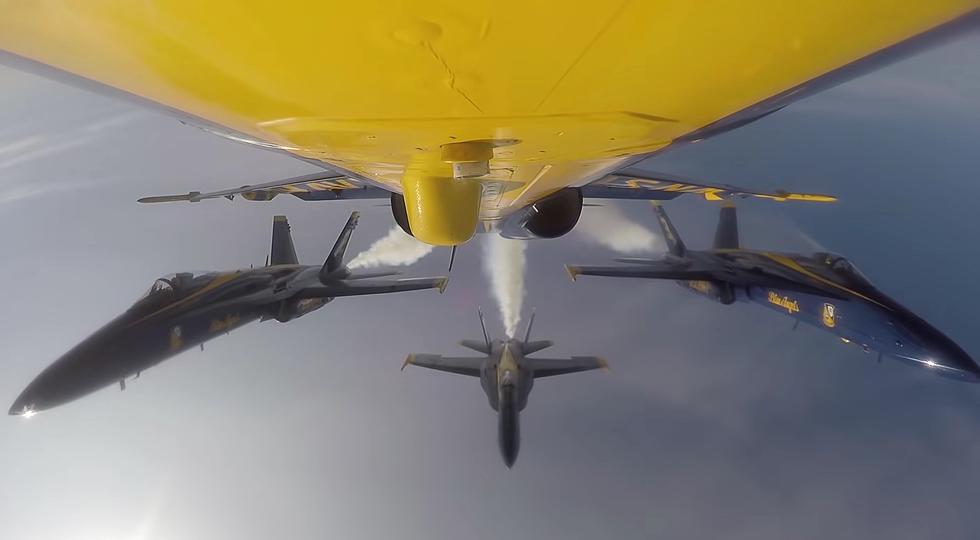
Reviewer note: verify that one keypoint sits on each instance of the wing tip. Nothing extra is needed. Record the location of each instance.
(410, 359)
(279, 218)
(573, 272)
(442, 284)
(603, 364)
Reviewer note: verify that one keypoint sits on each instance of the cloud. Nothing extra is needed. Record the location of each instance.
(24, 143)
(32, 148)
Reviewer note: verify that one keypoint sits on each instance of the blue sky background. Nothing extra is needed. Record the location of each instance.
(713, 420)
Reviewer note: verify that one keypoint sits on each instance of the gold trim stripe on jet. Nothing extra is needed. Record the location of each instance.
(795, 266)
(216, 282)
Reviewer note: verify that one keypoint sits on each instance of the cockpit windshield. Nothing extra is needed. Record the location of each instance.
(180, 283)
(172, 287)
(843, 268)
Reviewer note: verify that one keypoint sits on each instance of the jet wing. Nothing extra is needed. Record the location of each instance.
(451, 364)
(371, 286)
(547, 367)
(590, 91)
(652, 269)
(321, 186)
(635, 184)
(659, 269)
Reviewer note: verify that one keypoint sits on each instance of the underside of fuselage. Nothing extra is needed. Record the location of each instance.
(492, 94)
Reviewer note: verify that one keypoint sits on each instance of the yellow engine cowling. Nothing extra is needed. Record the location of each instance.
(442, 211)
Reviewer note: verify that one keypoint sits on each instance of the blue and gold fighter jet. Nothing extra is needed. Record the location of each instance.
(181, 311)
(507, 376)
(823, 289)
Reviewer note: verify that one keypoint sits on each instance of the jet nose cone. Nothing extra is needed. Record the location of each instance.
(24, 405)
(510, 456)
(81, 371)
(510, 439)
(953, 362)
(967, 366)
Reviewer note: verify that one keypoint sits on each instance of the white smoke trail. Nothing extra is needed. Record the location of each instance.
(395, 249)
(504, 262)
(608, 226)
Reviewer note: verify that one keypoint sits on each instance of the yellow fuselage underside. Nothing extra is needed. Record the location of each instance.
(376, 88)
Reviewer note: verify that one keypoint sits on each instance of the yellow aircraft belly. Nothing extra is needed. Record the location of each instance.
(372, 87)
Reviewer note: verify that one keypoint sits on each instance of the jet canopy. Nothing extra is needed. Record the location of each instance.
(180, 283)
(170, 288)
(844, 269)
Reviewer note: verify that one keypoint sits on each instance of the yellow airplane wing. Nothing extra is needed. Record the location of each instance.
(643, 185)
(309, 187)
(410, 95)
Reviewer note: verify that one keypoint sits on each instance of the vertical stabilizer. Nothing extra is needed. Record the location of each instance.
(335, 260)
(530, 322)
(675, 245)
(726, 235)
(483, 326)
(283, 251)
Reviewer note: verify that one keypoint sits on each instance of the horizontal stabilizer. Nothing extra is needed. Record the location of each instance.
(547, 367)
(531, 347)
(451, 364)
(478, 346)
(368, 286)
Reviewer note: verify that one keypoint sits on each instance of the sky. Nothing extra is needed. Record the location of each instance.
(712, 419)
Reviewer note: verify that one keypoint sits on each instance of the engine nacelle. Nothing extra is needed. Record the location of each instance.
(723, 293)
(399, 213)
(294, 309)
(550, 217)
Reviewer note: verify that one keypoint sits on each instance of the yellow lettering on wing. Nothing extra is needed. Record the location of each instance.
(642, 183)
(317, 185)
(328, 185)
(785, 302)
(293, 188)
